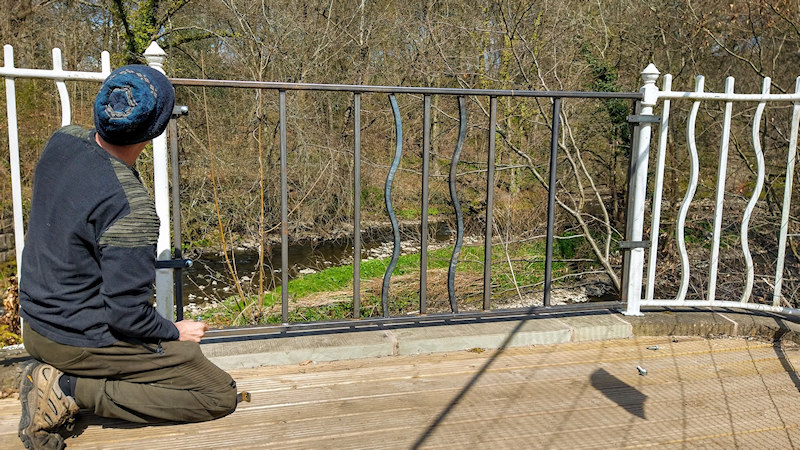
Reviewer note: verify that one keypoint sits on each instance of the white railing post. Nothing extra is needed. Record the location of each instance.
(658, 190)
(13, 156)
(165, 300)
(722, 172)
(637, 190)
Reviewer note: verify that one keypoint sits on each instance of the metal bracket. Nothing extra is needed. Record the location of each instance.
(180, 110)
(628, 245)
(173, 263)
(643, 119)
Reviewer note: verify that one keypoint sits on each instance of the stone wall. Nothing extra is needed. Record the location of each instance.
(7, 252)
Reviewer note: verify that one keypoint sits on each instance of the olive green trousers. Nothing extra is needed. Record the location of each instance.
(141, 382)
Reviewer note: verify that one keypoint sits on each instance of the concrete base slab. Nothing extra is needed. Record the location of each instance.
(764, 325)
(681, 322)
(450, 338)
(493, 334)
(297, 349)
(596, 327)
(418, 340)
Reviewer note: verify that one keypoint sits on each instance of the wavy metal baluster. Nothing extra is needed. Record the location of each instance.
(748, 289)
(462, 133)
(658, 190)
(687, 199)
(787, 198)
(66, 110)
(387, 194)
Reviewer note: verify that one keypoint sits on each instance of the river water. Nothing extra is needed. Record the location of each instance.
(209, 279)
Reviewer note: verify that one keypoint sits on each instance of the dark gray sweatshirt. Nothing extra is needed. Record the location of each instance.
(88, 264)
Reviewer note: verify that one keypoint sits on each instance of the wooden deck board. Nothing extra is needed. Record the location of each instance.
(720, 393)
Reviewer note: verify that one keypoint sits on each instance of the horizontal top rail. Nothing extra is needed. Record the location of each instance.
(675, 95)
(397, 89)
(14, 72)
(50, 74)
(57, 73)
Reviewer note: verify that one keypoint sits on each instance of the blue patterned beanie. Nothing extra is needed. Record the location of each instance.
(134, 105)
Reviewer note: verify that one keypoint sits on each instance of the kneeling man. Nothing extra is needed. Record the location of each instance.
(87, 276)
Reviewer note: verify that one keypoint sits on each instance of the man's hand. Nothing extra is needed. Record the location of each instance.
(191, 330)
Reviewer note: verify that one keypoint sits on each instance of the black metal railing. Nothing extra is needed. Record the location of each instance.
(392, 91)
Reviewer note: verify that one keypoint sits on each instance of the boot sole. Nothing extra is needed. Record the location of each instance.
(25, 389)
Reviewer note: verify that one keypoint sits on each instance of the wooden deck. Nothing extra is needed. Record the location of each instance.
(719, 393)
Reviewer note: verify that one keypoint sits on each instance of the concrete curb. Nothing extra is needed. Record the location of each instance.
(720, 322)
(494, 334)
(417, 340)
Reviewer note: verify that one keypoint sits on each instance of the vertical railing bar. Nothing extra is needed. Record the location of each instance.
(176, 216)
(748, 289)
(13, 157)
(284, 212)
(551, 201)
(105, 63)
(680, 227)
(487, 240)
(630, 197)
(658, 191)
(357, 205)
(787, 197)
(722, 171)
(387, 192)
(63, 94)
(423, 232)
(462, 133)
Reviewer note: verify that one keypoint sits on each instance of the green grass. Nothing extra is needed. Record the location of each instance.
(528, 270)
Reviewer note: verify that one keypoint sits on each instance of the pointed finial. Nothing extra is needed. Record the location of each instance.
(650, 74)
(649, 89)
(155, 56)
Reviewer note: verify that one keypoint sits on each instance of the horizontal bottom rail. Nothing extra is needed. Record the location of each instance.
(722, 304)
(343, 326)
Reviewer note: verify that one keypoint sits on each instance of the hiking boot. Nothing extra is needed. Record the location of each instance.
(45, 407)
(44, 440)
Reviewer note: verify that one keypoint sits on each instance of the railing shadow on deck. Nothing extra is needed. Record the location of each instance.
(624, 395)
(780, 352)
(466, 388)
